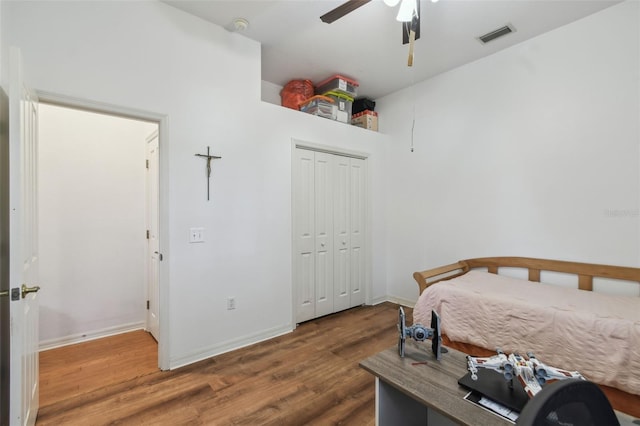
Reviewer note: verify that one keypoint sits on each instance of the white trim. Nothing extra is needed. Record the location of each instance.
(229, 345)
(99, 107)
(147, 255)
(397, 300)
(297, 143)
(91, 335)
(164, 203)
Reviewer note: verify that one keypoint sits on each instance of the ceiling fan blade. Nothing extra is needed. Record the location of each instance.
(343, 9)
(413, 32)
(414, 25)
(412, 40)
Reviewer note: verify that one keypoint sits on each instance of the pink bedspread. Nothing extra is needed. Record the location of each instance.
(593, 333)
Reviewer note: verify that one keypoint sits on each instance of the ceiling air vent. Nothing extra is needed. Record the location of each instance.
(496, 33)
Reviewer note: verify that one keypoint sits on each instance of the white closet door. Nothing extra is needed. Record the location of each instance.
(341, 232)
(303, 196)
(356, 232)
(323, 233)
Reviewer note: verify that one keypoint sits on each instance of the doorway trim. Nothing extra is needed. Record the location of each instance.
(163, 141)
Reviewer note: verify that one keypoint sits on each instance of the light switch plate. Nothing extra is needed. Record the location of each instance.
(196, 235)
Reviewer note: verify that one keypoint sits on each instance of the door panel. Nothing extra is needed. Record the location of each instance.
(323, 211)
(23, 247)
(304, 232)
(153, 177)
(341, 232)
(356, 232)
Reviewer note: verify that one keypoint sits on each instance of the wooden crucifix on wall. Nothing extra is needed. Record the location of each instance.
(208, 157)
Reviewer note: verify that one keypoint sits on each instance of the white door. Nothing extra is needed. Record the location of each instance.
(23, 247)
(323, 221)
(341, 288)
(356, 232)
(303, 228)
(153, 177)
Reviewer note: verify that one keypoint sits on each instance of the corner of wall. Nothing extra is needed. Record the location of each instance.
(230, 345)
(270, 92)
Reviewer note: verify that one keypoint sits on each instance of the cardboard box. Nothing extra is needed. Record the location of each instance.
(366, 119)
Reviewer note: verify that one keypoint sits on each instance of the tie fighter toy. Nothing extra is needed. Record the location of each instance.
(420, 333)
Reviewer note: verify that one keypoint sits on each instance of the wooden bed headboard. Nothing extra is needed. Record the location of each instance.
(585, 271)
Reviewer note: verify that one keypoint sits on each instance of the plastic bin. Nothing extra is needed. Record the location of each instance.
(340, 84)
(343, 103)
(322, 106)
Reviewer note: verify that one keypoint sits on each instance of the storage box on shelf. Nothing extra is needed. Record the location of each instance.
(362, 104)
(322, 106)
(295, 92)
(366, 119)
(340, 84)
(343, 105)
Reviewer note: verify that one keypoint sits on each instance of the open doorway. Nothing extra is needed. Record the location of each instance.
(94, 216)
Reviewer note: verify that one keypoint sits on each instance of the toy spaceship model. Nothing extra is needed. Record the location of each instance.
(530, 372)
(419, 333)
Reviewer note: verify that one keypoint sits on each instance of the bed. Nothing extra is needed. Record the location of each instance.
(580, 329)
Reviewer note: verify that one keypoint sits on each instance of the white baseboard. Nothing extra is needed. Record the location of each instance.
(228, 346)
(45, 345)
(397, 300)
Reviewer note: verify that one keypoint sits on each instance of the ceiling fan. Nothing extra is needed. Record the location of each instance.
(408, 14)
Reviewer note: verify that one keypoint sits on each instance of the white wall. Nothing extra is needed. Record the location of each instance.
(271, 93)
(149, 56)
(92, 220)
(528, 152)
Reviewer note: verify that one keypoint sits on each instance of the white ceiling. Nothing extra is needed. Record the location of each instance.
(367, 43)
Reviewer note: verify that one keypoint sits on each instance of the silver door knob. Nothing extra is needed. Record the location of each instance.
(321, 244)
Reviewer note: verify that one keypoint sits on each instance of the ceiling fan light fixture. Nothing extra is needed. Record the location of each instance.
(407, 9)
(391, 3)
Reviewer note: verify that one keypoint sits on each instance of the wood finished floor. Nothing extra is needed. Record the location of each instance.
(310, 376)
(73, 370)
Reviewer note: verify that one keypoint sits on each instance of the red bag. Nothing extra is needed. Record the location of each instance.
(295, 93)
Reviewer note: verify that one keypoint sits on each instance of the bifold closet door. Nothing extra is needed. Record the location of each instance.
(323, 223)
(341, 292)
(356, 232)
(304, 232)
(348, 224)
(313, 195)
(329, 219)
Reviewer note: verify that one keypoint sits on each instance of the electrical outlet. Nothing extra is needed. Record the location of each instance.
(231, 303)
